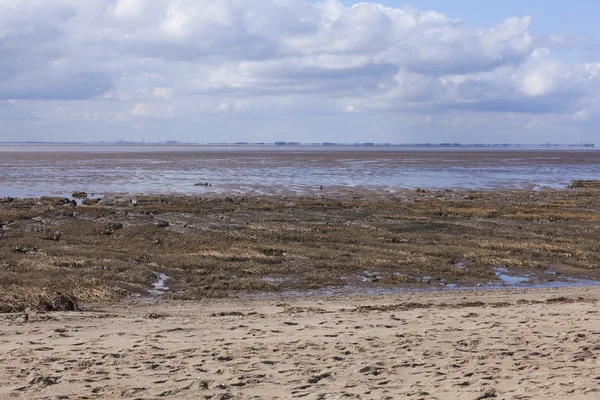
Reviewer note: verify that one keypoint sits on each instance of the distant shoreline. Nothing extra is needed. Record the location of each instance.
(324, 144)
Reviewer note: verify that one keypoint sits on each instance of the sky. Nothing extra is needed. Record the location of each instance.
(214, 71)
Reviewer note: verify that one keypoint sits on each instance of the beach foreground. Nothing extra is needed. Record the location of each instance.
(526, 344)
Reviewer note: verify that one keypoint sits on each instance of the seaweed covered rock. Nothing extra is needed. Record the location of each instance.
(79, 195)
(61, 302)
(90, 202)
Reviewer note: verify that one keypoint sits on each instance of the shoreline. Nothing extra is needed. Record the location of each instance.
(206, 189)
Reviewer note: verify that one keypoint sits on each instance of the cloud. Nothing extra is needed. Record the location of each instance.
(291, 56)
(162, 93)
(139, 110)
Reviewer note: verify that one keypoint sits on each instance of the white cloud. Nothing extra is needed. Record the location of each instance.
(162, 93)
(532, 124)
(128, 8)
(536, 84)
(582, 115)
(591, 70)
(291, 58)
(139, 110)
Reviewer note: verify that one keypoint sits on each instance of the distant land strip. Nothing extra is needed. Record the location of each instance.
(365, 144)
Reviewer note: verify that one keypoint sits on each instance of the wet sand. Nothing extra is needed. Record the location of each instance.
(31, 171)
(534, 344)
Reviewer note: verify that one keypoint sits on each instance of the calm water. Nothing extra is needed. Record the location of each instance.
(33, 170)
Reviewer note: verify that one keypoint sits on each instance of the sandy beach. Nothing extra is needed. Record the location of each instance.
(526, 344)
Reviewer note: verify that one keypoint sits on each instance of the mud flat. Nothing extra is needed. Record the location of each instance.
(527, 344)
(27, 170)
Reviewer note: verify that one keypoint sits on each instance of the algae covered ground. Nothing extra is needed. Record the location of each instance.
(219, 246)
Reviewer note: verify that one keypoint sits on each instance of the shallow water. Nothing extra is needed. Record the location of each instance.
(159, 285)
(504, 276)
(506, 279)
(537, 279)
(31, 171)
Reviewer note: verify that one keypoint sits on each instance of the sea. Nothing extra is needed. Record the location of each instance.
(33, 170)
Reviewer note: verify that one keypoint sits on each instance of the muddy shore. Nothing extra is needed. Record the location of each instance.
(27, 170)
(197, 247)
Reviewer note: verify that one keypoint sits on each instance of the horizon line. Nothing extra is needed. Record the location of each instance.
(291, 143)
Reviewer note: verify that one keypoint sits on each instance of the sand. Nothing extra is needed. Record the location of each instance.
(534, 344)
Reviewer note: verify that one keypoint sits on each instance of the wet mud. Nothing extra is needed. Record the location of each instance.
(33, 171)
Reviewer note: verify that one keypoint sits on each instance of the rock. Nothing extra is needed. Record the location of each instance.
(62, 302)
(90, 202)
(64, 202)
(79, 195)
(161, 223)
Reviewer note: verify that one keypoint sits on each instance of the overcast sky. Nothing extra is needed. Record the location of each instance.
(295, 70)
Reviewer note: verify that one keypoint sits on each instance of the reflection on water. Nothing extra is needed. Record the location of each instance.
(506, 279)
(55, 170)
(159, 285)
(538, 279)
